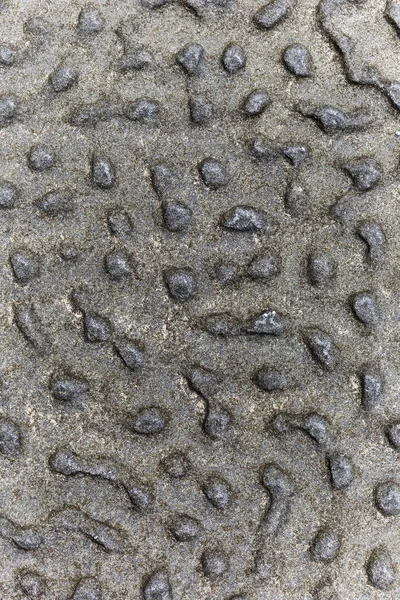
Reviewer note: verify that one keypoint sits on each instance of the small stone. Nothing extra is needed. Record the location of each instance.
(103, 173)
(321, 269)
(271, 380)
(218, 493)
(185, 529)
(264, 149)
(8, 110)
(68, 389)
(393, 434)
(8, 195)
(132, 353)
(214, 563)
(268, 322)
(322, 348)
(97, 328)
(272, 13)
(233, 59)
(190, 58)
(157, 587)
(380, 569)
(214, 174)
(56, 203)
(25, 266)
(296, 154)
(256, 103)
(387, 498)
(365, 309)
(41, 158)
(201, 109)
(371, 380)
(141, 498)
(117, 265)
(298, 60)
(63, 78)
(217, 422)
(341, 470)
(181, 284)
(326, 545)
(373, 234)
(142, 110)
(148, 421)
(204, 382)
(32, 584)
(244, 218)
(120, 224)
(333, 120)
(90, 21)
(365, 173)
(8, 56)
(264, 266)
(177, 216)
(10, 438)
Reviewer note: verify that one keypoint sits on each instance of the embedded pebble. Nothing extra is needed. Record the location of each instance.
(41, 158)
(271, 380)
(148, 421)
(268, 322)
(244, 218)
(32, 584)
(190, 58)
(201, 109)
(8, 195)
(185, 528)
(117, 265)
(272, 13)
(103, 172)
(142, 110)
(296, 154)
(365, 173)
(63, 78)
(120, 224)
(8, 56)
(157, 587)
(177, 216)
(132, 354)
(264, 149)
(141, 497)
(297, 59)
(97, 328)
(280, 488)
(256, 102)
(8, 110)
(233, 59)
(321, 269)
(203, 381)
(393, 434)
(326, 545)
(87, 589)
(333, 120)
(365, 308)
(322, 348)
(181, 284)
(387, 498)
(372, 233)
(216, 422)
(218, 493)
(68, 389)
(10, 438)
(214, 564)
(90, 21)
(341, 471)
(57, 202)
(214, 174)
(30, 326)
(380, 569)
(264, 266)
(25, 266)
(371, 380)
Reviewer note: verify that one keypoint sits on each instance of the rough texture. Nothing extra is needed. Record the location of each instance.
(200, 307)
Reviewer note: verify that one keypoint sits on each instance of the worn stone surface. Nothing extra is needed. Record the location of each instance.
(200, 300)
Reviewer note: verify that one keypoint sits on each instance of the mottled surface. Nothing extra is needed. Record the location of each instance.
(199, 300)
